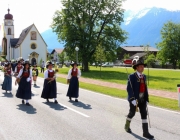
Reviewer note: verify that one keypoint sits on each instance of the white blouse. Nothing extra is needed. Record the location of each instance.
(21, 71)
(46, 73)
(70, 71)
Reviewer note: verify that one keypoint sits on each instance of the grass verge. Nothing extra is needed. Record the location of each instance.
(155, 101)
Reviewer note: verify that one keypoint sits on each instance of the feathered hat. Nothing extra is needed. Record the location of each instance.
(136, 62)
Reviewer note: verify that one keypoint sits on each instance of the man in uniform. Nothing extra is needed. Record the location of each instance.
(138, 97)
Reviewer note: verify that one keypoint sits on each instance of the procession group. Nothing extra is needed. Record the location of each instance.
(136, 87)
(25, 75)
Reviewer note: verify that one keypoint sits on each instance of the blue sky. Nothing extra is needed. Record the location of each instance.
(40, 12)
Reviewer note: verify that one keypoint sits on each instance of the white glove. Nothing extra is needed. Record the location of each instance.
(134, 102)
(28, 79)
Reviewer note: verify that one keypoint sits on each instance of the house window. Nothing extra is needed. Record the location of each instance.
(33, 35)
(9, 31)
(33, 46)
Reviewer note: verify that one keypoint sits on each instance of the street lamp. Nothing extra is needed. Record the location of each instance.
(77, 49)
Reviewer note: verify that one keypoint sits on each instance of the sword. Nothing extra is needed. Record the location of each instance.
(148, 116)
(132, 89)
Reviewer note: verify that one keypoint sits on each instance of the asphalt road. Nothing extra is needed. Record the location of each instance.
(94, 117)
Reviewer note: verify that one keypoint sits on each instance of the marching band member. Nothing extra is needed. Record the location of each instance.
(138, 97)
(72, 80)
(24, 89)
(49, 88)
(7, 83)
(35, 74)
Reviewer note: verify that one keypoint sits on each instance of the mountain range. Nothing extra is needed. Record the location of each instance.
(143, 27)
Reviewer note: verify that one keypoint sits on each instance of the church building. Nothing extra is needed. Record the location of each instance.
(30, 44)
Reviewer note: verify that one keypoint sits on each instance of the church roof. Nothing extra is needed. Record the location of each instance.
(14, 41)
(8, 16)
(23, 35)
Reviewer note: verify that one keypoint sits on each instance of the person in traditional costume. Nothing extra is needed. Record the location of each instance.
(7, 83)
(72, 80)
(17, 70)
(35, 74)
(138, 97)
(24, 89)
(49, 88)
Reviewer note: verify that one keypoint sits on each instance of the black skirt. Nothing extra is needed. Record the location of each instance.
(24, 89)
(49, 90)
(73, 90)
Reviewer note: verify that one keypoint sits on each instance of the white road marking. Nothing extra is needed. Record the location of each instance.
(175, 112)
(75, 111)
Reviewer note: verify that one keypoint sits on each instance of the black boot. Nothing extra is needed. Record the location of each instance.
(56, 102)
(22, 101)
(146, 133)
(76, 100)
(70, 98)
(127, 126)
(47, 100)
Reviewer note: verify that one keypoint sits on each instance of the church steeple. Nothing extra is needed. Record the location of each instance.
(8, 16)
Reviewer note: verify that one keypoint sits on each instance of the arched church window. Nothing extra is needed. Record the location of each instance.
(33, 35)
(33, 46)
(9, 31)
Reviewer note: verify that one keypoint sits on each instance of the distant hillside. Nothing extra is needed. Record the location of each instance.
(144, 26)
(51, 39)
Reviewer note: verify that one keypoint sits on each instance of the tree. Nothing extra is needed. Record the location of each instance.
(170, 44)
(150, 59)
(88, 23)
(62, 57)
(126, 56)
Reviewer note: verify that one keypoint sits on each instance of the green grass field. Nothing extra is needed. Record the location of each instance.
(158, 79)
(155, 101)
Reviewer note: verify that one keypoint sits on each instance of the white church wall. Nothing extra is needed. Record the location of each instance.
(41, 47)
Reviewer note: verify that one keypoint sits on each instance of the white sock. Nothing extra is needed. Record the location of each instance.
(27, 101)
(34, 82)
(54, 99)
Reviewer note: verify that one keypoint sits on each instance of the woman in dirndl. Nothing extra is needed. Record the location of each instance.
(49, 88)
(72, 80)
(7, 83)
(24, 89)
(35, 74)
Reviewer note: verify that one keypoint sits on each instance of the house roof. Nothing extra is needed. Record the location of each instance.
(14, 41)
(138, 54)
(58, 50)
(23, 35)
(139, 49)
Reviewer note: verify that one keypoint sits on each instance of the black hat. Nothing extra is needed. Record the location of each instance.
(48, 63)
(7, 64)
(136, 62)
(26, 62)
(74, 63)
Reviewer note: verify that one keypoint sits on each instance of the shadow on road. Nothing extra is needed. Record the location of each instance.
(36, 86)
(34, 94)
(139, 137)
(27, 109)
(55, 106)
(8, 95)
(80, 104)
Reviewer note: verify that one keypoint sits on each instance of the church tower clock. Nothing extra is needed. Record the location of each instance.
(8, 34)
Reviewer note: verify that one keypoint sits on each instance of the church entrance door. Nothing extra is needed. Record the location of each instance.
(33, 61)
